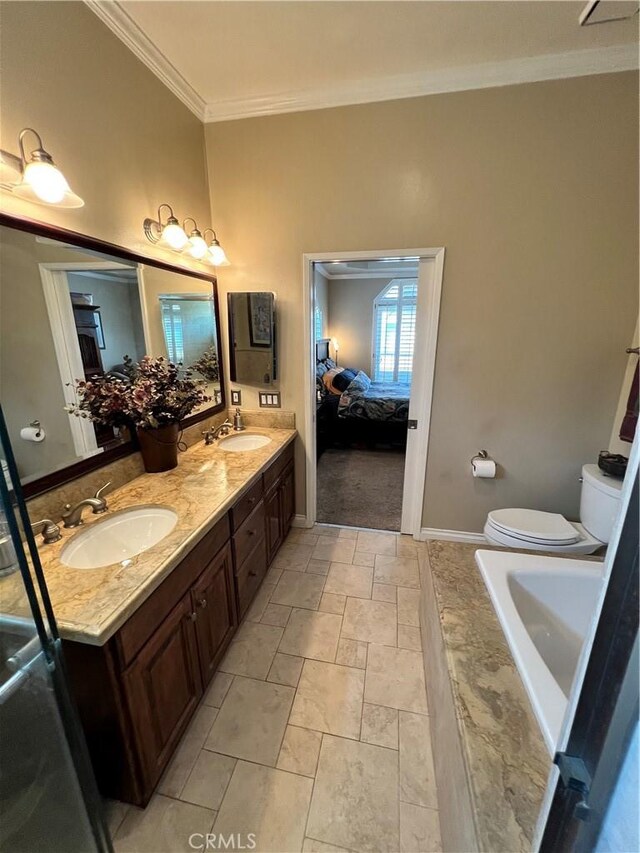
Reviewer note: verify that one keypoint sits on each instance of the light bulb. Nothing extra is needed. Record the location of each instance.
(173, 235)
(197, 246)
(217, 255)
(46, 181)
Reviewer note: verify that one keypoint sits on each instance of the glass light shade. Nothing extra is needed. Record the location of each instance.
(217, 255)
(335, 343)
(197, 247)
(44, 183)
(173, 235)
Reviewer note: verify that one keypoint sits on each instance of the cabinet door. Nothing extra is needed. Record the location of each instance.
(214, 604)
(163, 688)
(273, 521)
(287, 499)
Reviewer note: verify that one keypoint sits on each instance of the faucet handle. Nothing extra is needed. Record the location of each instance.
(98, 494)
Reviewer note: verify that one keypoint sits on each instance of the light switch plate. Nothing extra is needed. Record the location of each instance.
(236, 397)
(269, 400)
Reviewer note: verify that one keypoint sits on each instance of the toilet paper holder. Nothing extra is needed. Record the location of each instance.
(481, 454)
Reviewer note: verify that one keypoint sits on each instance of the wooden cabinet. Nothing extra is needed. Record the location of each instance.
(163, 687)
(137, 693)
(279, 501)
(213, 603)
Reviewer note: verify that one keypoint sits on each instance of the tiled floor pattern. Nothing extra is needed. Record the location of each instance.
(314, 734)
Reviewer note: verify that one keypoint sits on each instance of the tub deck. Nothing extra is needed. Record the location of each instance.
(480, 711)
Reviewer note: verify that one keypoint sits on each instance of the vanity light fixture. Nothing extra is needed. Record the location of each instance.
(196, 245)
(36, 178)
(171, 233)
(179, 238)
(217, 255)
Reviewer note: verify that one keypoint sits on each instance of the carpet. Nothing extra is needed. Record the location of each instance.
(361, 488)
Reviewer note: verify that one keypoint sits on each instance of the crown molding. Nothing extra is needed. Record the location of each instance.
(556, 66)
(119, 22)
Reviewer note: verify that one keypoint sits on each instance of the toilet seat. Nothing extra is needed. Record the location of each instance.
(585, 544)
(531, 525)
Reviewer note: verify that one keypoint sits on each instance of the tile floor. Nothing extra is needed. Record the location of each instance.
(314, 734)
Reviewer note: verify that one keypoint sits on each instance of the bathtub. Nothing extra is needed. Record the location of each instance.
(544, 605)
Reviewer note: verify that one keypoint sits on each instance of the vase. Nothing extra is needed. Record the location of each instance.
(159, 447)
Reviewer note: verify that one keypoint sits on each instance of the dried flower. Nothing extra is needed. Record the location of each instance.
(156, 394)
(207, 365)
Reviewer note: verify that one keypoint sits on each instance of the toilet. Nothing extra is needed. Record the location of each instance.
(549, 531)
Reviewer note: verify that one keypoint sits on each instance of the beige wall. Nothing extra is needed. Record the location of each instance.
(351, 318)
(532, 189)
(124, 141)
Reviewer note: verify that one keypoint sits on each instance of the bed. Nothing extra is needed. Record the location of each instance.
(365, 412)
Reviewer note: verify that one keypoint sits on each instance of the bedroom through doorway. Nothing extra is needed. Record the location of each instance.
(364, 320)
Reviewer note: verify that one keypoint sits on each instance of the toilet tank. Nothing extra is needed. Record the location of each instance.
(599, 501)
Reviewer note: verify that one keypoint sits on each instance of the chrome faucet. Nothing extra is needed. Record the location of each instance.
(212, 433)
(72, 515)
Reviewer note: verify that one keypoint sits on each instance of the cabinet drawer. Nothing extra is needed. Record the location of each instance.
(246, 504)
(272, 473)
(136, 631)
(251, 530)
(250, 576)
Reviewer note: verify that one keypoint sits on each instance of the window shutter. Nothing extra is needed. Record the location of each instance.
(394, 331)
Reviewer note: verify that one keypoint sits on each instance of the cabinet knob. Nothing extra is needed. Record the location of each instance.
(192, 616)
(252, 500)
(203, 602)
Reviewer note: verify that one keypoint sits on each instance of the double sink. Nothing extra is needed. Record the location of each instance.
(129, 532)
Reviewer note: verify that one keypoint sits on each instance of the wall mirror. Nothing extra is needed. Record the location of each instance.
(252, 338)
(71, 308)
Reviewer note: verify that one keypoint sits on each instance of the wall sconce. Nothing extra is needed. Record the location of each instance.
(217, 254)
(171, 233)
(37, 178)
(174, 235)
(196, 245)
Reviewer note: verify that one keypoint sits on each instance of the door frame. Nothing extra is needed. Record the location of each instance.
(65, 340)
(430, 276)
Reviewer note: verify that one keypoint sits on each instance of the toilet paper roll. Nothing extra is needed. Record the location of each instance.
(32, 434)
(483, 468)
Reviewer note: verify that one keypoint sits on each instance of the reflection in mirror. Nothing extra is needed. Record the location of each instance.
(69, 313)
(252, 338)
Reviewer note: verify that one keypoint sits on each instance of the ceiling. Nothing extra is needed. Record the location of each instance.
(236, 59)
(392, 267)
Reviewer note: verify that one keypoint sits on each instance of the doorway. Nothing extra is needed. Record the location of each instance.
(367, 434)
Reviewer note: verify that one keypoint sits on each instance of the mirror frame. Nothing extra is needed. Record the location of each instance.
(84, 466)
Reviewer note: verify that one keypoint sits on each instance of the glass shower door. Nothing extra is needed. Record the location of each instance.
(48, 797)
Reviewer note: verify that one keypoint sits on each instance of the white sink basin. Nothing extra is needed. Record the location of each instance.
(119, 537)
(242, 442)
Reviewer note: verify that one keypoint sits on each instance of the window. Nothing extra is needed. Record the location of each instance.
(172, 325)
(319, 323)
(394, 331)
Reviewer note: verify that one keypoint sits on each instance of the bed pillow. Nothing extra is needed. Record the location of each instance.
(329, 378)
(359, 385)
(343, 379)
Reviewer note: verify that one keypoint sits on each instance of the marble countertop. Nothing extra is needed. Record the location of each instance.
(506, 758)
(91, 604)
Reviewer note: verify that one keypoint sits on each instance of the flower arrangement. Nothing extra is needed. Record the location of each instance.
(155, 395)
(207, 365)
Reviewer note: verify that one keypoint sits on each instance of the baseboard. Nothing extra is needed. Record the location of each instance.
(451, 535)
(300, 521)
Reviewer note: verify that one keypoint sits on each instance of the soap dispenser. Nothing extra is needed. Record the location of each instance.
(237, 421)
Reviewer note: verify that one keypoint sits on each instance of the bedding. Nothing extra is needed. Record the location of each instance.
(374, 401)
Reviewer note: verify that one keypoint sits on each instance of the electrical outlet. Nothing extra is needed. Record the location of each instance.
(236, 397)
(270, 400)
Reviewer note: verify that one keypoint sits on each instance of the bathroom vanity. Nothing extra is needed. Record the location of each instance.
(143, 638)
